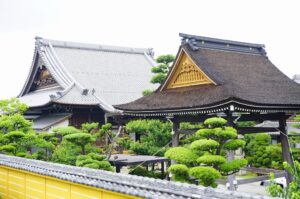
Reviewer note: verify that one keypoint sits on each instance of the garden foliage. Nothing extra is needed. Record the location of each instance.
(64, 145)
(154, 136)
(293, 190)
(204, 159)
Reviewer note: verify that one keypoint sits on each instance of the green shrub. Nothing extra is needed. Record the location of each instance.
(89, 127)
(66, 130)
(105, 165)
(138, 148)
(206, 133)
(234, 144)
(232, 166)
(211, 160)
(80, 139)
(124, 142)
(188, 125)
(256, 150)
(83, 161)
(206, 175)
(215, 122)
(210, 152)
(180, 172)
(96, 156)
(293, 190)
(91, 165)
(93, 159)
(8, 149)
(21, 154)
(66, 153)
(204, 145)
(181, 155)
(225, 133)
(156, 133)
(140, 171)
(14, 136)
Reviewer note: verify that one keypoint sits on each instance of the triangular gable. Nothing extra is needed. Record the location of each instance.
(186, 73)
(43, 79)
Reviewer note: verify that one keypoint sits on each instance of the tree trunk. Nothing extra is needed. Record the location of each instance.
(83, 149)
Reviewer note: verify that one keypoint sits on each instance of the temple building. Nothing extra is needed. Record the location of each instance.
(71, 83)
(215, 77)
(212, 75)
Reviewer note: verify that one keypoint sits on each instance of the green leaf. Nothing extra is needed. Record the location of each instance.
(232, 166)
(180, 172)
(204, 145)
(147, 92)
(215, 122)
(206, 175)
(66, 130)
(211, 160)
(181, 155)
(234, 144)
(158, 78)
(166, 59)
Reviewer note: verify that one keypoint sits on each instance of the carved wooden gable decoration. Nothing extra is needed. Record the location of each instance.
(42, 79)
(186, 73)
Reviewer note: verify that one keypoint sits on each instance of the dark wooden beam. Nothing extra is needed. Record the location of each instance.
(261, 117)
(286, 153)
(248, 130)
(260, 178)
(241, 130)
(192, 118)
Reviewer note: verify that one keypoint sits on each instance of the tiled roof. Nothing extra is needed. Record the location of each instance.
(243, 75)
(289, 125)
(122, 183)
(92, 74)
(46, 121)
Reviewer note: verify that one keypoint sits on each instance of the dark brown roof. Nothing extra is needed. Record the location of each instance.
(243, 74)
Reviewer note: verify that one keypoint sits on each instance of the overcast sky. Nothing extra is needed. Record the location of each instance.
(141, 23)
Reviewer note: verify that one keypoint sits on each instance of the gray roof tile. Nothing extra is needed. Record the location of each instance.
(121, 183)
(110, 74)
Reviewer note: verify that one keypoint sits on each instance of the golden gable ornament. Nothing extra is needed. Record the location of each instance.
(186, 73)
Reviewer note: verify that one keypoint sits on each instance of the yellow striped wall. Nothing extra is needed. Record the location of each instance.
(20, 184)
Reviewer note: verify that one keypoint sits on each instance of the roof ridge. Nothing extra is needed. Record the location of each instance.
(196, 42)
(89, 46)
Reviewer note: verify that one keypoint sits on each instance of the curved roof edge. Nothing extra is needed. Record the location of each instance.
(229, 104)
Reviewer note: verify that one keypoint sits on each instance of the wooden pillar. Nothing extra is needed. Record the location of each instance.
(168, 165)
(118, 168)
(286, 154)
(230, 156)
(153, 167)
(162, 169)
(175, 134)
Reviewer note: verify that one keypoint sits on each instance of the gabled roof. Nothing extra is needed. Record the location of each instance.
(89, 74)
(243, 76)
(45, 122)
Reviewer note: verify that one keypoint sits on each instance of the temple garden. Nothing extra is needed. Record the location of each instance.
(201, 158)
